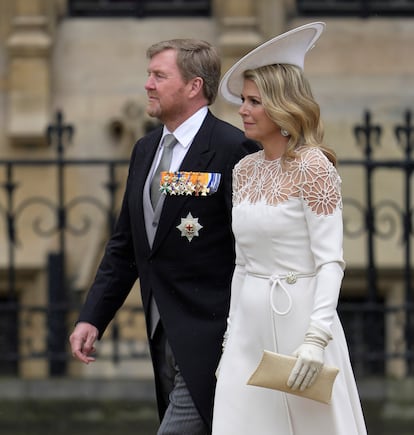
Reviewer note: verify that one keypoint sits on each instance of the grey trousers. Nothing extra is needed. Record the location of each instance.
(181, 417)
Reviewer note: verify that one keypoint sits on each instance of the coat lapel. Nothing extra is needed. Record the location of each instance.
(142, 165)
(197, 159)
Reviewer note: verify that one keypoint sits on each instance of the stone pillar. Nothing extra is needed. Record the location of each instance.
(273, 16)
(238, 26)
(242, 26)
(28, 77)
(238, 33)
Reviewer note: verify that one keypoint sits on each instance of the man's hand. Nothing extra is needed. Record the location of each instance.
(82, 342)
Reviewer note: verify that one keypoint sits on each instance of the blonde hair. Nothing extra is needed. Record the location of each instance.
(288, 101)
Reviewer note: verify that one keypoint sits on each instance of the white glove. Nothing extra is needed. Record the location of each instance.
(310, 361)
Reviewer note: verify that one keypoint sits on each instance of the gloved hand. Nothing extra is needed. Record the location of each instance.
(310, 361)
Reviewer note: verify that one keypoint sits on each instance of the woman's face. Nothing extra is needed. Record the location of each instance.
(257, 125)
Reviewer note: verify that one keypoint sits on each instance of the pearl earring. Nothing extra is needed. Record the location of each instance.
(284, 132)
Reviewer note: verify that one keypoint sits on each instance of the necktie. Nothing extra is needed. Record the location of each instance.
(168, 146)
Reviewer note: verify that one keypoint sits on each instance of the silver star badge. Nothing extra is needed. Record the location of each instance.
(189, 227)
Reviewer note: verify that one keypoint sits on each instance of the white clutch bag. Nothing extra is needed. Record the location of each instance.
(273, 372)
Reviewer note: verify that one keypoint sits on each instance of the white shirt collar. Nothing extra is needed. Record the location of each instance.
(188, 129)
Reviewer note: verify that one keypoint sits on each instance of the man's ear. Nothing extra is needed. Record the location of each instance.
(196, 86)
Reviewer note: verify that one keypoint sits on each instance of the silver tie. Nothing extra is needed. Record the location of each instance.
(168, 146)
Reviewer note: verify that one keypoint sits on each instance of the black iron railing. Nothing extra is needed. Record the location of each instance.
(367, 314)
(56, 221)
(380, 218)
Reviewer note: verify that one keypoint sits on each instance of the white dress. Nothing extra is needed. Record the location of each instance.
(287, 218)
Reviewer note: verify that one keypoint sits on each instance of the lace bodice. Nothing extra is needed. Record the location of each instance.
(309, 176)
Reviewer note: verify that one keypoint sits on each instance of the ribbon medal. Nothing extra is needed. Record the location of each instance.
(189, 183)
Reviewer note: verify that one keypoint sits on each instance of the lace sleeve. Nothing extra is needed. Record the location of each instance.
(320, 184)
(244, 172)
(320, 189)
(310, 176)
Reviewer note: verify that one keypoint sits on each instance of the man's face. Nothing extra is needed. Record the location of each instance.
(166, 90)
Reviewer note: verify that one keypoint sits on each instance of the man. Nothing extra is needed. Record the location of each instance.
(180, 246)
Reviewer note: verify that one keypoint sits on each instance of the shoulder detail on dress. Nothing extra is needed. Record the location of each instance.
(308, 152)
(320, 181)
(312, 160)
(250, 159)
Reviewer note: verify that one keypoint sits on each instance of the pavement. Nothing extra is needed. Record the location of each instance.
(63, 406)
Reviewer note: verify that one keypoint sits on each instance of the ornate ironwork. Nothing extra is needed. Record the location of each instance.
(374, 218)
(381, 219)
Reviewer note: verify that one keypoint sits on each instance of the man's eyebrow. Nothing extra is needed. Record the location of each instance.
(157, 70)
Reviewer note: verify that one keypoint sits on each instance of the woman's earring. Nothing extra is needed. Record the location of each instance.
(284, 132)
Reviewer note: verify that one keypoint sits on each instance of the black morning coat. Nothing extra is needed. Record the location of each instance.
(190, 281)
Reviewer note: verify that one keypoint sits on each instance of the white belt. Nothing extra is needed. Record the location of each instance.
(277, 279)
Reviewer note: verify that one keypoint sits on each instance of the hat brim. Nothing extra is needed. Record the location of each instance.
(287, 48)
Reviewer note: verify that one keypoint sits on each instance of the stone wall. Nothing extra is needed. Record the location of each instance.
(95, 70)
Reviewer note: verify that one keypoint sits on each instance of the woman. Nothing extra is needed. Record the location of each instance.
(287, 221)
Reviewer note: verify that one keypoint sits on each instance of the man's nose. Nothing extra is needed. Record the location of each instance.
(149, 84)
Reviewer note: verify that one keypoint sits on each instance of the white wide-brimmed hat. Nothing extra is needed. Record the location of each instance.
(290, 47)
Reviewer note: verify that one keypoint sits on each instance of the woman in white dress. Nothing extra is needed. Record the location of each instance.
(287, 221)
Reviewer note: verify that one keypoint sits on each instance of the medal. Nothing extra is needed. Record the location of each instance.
(189, 183)
(189, 227)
